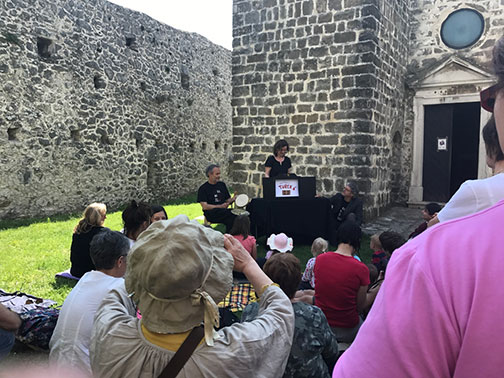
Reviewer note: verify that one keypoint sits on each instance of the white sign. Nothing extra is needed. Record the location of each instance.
(286, 188)
(442, 144)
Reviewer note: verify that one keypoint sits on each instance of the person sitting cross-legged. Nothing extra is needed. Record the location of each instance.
(214, 198)
(70, 341)
(314, 348)
(345, 206)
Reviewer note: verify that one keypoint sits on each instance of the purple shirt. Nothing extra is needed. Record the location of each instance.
(439, 311)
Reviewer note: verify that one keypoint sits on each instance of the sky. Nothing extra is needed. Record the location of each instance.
(210, 18)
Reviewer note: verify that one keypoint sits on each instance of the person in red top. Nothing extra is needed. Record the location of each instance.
(342, 283)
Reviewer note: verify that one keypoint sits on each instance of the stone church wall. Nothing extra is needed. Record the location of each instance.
(100, 103)
(327, 75)
(427, 50)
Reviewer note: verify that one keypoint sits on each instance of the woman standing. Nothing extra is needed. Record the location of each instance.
(278, 164)
(91, 224)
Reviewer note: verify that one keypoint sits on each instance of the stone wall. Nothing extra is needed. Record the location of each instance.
(100, 103)
(327, 75)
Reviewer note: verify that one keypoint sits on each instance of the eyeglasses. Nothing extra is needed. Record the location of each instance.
(487, 97)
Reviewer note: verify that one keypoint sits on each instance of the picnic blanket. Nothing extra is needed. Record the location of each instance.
(239, 297)
(37, 316)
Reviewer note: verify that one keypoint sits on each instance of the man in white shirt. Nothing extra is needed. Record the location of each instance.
(70, 341)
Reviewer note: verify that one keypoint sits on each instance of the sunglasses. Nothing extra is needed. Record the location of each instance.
(487, 97)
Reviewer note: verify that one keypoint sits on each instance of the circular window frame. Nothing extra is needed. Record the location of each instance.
(474, 41)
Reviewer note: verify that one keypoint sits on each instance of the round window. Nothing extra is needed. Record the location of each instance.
(462, 28)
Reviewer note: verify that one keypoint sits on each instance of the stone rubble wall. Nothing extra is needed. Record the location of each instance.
(101, 103)
(326, 75)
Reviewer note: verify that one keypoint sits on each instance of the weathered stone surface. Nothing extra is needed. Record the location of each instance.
(100, 103)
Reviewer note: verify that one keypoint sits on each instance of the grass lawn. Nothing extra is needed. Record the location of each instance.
(32, 251)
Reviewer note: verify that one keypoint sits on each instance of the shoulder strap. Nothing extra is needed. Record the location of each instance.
(183, 353)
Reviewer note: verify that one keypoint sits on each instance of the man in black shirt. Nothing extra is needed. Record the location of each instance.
(214, 198)
(345, 206)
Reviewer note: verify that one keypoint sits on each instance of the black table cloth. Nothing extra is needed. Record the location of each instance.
(301, 219)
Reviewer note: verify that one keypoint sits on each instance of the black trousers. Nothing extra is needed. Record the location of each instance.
(224, 216)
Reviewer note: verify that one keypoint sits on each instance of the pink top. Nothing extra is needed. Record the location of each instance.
(439, 311)
(247, 243)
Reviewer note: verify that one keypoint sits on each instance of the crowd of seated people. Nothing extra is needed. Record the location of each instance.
(425, 320)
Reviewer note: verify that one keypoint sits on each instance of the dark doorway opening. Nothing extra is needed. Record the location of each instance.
(451, 143)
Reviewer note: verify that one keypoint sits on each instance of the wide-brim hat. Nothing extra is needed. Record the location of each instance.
(177, 271)
(281, 242)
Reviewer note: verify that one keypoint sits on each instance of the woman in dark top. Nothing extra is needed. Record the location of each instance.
(90, 225)
(278, 164)
(136, 218)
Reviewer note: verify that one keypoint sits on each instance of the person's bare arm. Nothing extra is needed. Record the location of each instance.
(9, 320)
(361, 298)
(267, 171)
(206, 206)
(433, 221)
(243, 262)
(254, 251)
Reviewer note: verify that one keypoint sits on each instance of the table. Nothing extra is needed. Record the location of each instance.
(301, 219)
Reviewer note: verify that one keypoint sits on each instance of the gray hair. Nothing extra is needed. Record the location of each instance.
(210, 168)
(353, 187)
(106, 248)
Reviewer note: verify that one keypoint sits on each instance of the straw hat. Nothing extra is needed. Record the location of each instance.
(281, 242)
(177, 271)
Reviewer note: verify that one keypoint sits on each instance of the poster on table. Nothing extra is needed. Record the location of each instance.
(286, 188)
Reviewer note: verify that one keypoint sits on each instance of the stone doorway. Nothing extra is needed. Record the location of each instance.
(451, 141)
(453, 89)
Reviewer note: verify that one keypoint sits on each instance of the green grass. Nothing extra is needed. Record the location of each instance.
(32, 251)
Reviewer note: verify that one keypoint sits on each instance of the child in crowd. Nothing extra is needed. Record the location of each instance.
(241, 232)
(319, 246)
(280, 243)
(390, 241)
(430, 211)
(379, 257)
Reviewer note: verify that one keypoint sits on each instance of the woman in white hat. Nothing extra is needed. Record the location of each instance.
(178, 271)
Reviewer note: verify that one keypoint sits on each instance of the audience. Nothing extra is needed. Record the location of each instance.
(390, 241)
(136, 218)
(319, 246)
(158, 213)
(241, 232)
(379, 257)
(90, 225)
(314, 348)
(430, 211)
(429, 320)
(70, 341)
(177, 271)
(342, 283)
(476, 195)
(280, 243)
